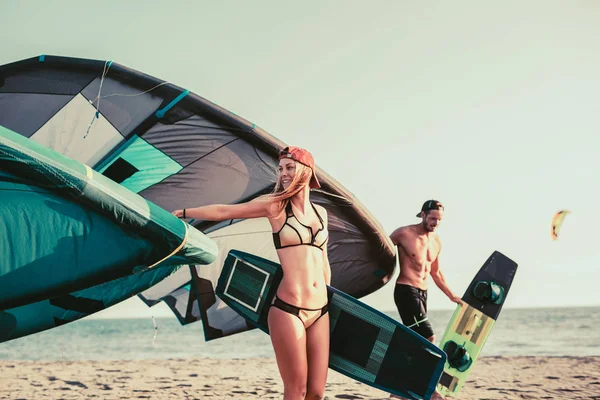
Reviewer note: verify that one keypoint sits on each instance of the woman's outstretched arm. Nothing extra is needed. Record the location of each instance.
(219, 212)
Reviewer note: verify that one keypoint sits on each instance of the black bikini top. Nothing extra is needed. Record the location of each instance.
(295, 233)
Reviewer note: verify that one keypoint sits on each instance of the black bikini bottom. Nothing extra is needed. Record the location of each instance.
(308, 316)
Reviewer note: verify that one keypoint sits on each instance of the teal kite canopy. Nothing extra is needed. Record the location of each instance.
(73, 241)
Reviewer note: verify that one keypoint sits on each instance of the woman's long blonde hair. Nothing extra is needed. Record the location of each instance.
(280, 197)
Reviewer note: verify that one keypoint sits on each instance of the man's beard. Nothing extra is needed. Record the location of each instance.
(429, 228)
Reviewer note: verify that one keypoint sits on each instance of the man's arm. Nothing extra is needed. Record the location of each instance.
(396, 236)
(440, 281)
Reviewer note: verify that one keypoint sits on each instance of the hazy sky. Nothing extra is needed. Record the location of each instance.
(493, 109)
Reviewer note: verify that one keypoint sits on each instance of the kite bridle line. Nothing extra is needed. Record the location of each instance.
(107, 66)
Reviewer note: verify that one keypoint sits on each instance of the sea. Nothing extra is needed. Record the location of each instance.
(518, 332)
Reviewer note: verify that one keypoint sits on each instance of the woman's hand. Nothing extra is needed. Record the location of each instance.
(179, 213)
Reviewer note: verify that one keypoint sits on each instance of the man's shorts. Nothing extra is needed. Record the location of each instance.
(412, 306)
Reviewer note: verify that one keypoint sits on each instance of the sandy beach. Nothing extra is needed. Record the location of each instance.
(492, 378)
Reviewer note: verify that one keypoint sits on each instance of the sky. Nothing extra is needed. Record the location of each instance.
(490, 108)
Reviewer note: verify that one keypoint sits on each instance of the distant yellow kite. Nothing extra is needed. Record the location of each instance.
(557, 223)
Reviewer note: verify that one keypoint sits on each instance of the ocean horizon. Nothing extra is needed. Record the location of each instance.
(389, 312)
(567, 331)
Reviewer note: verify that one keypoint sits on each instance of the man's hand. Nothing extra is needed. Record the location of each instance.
(456, 299)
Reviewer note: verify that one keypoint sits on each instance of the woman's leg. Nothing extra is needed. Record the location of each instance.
(317, 348)
(289, 342)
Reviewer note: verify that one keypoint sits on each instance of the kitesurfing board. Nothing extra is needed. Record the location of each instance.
(472, 321)
(365, 344)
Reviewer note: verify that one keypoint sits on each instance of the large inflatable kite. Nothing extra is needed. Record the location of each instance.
(176, 150)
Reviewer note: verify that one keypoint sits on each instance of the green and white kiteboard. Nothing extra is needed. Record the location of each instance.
(473, 321)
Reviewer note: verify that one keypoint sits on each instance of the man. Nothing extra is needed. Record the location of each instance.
(418, 251)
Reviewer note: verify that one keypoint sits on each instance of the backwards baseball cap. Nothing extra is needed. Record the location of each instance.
(304, 158)
(430, 205)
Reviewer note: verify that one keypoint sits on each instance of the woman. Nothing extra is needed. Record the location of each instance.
(298, 319)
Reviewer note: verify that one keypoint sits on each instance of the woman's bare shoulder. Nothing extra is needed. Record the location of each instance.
(322, 210)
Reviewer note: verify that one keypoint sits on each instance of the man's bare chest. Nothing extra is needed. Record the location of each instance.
(421, 250)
